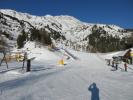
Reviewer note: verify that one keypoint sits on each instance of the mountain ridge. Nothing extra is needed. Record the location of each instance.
(73, 30)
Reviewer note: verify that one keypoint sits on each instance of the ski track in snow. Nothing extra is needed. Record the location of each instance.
(47, 81)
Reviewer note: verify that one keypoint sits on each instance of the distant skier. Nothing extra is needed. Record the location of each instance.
(116, 65)
(108, 62)
(125, 65)
(113, 63)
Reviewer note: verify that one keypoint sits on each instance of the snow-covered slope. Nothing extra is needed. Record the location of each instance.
(74, 81)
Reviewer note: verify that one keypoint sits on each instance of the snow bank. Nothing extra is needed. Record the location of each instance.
(41, 53)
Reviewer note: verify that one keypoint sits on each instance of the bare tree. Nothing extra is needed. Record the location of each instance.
(3, 47)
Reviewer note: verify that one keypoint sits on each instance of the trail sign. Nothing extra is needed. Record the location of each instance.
(131, 54)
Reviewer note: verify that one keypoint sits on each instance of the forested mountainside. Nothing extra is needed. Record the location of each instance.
(19, 28)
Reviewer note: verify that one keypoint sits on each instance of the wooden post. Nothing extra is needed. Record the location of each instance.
(25, 57)
(28, 65)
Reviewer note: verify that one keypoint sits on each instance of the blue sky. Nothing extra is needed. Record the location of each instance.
(119, 12)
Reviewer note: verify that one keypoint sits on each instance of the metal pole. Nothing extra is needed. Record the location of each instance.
(25, 57)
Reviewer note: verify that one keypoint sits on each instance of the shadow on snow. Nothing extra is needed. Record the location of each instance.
(94, 91)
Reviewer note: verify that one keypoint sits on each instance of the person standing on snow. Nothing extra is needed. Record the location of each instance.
(116, 65)
(108, 62)
(125, 65)
(113, 63)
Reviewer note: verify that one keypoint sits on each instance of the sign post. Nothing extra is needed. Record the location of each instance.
(131, 54)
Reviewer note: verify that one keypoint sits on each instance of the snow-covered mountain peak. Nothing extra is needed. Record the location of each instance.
(48, 15)
(19, 15)
(65, 22)
(72, 29)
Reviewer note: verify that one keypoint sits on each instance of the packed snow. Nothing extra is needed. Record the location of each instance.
(72, 81)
